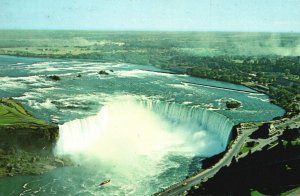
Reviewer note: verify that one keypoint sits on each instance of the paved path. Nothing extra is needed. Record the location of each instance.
(242, 138)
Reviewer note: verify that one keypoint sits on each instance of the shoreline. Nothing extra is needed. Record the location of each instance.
(218, 87)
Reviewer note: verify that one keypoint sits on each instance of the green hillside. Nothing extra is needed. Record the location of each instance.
(13, 113)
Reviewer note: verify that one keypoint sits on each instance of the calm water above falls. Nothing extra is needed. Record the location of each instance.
(142, 129)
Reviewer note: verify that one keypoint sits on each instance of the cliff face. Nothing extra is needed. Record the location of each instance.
(29, 138)
(26, 142)
(19, 129)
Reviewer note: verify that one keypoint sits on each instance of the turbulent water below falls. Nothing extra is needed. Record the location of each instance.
(142, 129)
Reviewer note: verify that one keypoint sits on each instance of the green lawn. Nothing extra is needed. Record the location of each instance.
(289, 192)
(12, 113)
(296, 141)
(256, 193)
(246, 147)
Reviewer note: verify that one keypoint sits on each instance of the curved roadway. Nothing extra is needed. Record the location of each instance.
(234, 150)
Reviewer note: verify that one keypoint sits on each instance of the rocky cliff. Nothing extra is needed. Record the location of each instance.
(26, 142)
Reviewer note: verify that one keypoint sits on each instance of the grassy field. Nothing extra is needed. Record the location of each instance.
(248, 147)
(12, 113)
(290, 192)
(256, 193)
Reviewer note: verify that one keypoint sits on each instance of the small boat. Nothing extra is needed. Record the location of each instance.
(104, 182)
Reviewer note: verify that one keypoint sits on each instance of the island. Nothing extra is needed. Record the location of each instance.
(103, 72)
(54, 77)
(232, 104)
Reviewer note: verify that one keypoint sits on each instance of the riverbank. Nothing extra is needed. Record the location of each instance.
(276, 149)
(270, 166)
(195, 183)
(200, 183)
(26, 142)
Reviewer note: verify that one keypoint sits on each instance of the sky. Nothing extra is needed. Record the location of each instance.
(152, 15)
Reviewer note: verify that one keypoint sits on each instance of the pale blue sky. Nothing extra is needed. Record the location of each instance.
(164, 15)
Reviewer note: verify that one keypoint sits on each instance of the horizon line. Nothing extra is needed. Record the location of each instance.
(147, 30)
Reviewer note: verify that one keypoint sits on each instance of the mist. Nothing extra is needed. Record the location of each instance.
(132, 139)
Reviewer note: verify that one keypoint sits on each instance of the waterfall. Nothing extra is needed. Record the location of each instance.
(145, 127)
(200, 117)
(132, 141)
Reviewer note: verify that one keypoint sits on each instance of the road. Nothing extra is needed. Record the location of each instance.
(179, 188)
(242, 138)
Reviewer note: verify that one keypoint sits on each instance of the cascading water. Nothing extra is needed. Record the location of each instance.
(195, 116)
(139, 140)
(142, 118)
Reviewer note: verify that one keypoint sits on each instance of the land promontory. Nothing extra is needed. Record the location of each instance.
(26, 142)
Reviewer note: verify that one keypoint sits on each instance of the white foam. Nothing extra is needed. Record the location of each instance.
(138, 73)
(16, 83)
(10, 84)
(261, 99)
(47, 104)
